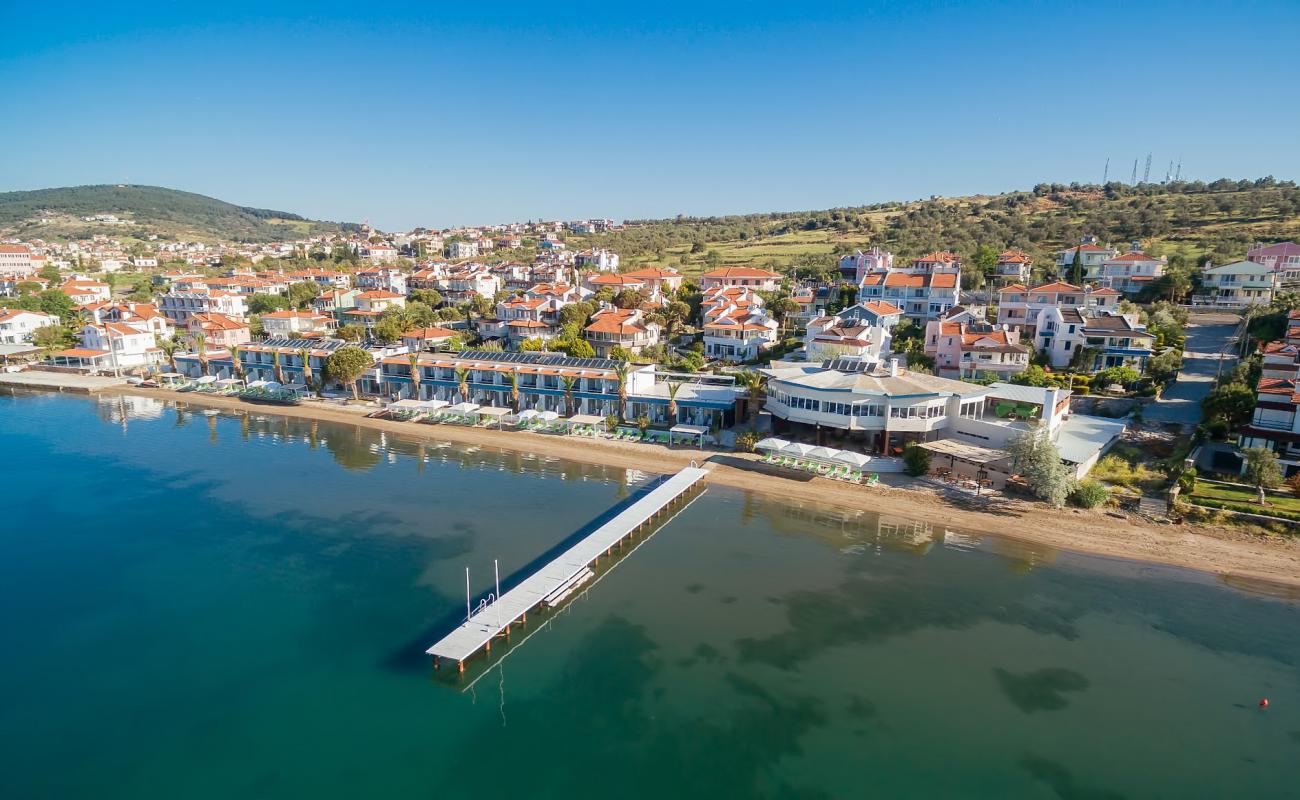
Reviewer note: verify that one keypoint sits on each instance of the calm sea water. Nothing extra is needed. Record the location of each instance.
(237, 606)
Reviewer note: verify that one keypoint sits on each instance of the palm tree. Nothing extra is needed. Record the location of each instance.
(279, 370)
(414, 359)
(308, 379)
(462, 383)
(512, 378)
(755, 382)
(169, 347)
(236, 366)
(621, 372)
(569, 382)
(201, 347)
(673, 388)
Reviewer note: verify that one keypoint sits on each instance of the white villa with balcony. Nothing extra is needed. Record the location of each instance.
(921, 295)
(1018, 305)
(1237, 285)
(861, 331)
(619, 327)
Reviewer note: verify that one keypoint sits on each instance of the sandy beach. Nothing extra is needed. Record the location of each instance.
(1224, 551)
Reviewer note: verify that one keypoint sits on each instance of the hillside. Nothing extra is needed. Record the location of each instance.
(151, 210)
(1188, 221)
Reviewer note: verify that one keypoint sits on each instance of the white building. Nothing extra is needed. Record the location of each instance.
(125, 346)
(1236, 285)
(289, 324)
(462, 249)
(1129, 272)
(179, 306)
(1019, 305)
(922, 296)
(748, 277)
(856, 266)
(17, 325)
(598, 258)
(16, 259)
(861, 331)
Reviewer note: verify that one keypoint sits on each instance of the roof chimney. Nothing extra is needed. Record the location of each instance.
(893, 367)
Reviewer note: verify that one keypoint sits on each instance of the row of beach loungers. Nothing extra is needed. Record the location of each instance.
(836, 472)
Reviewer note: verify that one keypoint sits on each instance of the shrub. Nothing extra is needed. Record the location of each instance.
(1090, 494)
(745, 441)
(916, 460)
(1187, 481)
(1293, 484)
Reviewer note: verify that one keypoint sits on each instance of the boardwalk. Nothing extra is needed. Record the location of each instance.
(550, 584)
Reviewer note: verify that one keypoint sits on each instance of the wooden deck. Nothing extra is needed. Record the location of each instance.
(550, 584)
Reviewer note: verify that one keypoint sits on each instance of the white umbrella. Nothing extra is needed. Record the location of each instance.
(207, 379)
(853, 459)
(528, 414)
(771, 443)
(463, 408)
(256, 384)
(797, 450)
(273, 384)
(823, 453)
(549, 416)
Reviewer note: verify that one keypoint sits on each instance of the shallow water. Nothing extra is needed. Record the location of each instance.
(214, 606)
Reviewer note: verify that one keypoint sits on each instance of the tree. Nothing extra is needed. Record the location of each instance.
(916, 460)
(1234, 403)
(302, 293)
(533, 345)
(308, 380)
(512, 378)
(414, 360)
(576, 313)
(56, 303)
(629, 298)
(1076, 267)
(755, 383)
(27, 287)
(50, 273)
(169, 346)
(266, 303)
(621, 371)
(352, 333)
(1035, 457)
(277, 363)
(617, 353)
(201, 347)
(236, 365)
(1124, 376)
(390, 329)
(347, 364)
(581, 348)
(1164, 367)
(1262, 470)
(673, 388)
(462, 383)
(430, 297)
(569, 382)
(1033, 375)
(51, 338)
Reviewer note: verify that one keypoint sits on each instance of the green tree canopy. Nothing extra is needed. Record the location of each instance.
(347, 364)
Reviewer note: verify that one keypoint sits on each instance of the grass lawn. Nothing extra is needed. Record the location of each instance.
(1246, 498)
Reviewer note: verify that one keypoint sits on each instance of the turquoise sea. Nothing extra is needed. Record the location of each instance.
(230, 606)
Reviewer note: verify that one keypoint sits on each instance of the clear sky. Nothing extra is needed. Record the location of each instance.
(473, 112)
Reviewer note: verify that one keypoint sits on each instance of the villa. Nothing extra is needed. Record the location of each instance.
(1018, 305)
(1129, 272)
(288, 324)
(219, 330)
(861, 331)
(921, 295)
(1013, 266)
(1237, 285)
(749, 277)
(18, 325)
(1283, 258)
(618, 327)
(179, 305)
(964, 346)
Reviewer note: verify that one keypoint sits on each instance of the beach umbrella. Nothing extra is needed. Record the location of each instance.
(797, 450)
(529, 413)
(771, 443)
(852, 459)
(549, 416)
(207, 379)
(822, 454)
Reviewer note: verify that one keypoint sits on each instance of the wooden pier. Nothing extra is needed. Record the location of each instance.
(556, 580)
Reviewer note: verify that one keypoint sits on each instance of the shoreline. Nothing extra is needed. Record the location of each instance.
(1223, 552)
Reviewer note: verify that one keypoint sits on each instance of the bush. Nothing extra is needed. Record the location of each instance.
(1187, 481)
(1090, 494)
(1293, 484)
(745, 441)
(916, 460)
(1216, 429)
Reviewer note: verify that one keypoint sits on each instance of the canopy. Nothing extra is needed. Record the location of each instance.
(296, 387)
(771, 443)
(585, 419)
(408, 404)
(852, 459)
(274, 385)
(227, 381)
(493, 411)
(463, 408)
(970, 453)
(549, 416)
(207, 379)
(252, 384)
(797, 449)
(171, 375)
(529, 414)
(693, 430)
(823, 453)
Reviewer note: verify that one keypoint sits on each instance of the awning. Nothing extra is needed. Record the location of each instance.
(585, 419)
(970, 453)
(207, 379)
(771, 443)
(406, 405)
(691, 430)
(251, 384)
(495, 412)
(228, 382)
(796, 449)
(549, 416)
(823, 453)
(852, 459)
(464, 408)
(528, 414)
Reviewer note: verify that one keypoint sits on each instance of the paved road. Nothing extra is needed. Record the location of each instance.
(1208, 335)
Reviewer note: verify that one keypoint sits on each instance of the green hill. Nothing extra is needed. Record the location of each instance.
(152, 210)
(1187, 221)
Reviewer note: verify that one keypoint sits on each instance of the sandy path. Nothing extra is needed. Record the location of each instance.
(1223, 551)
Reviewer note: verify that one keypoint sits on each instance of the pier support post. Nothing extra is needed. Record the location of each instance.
(460, 667)
(435, 662)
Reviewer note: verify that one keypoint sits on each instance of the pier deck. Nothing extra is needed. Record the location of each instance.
(477, 631)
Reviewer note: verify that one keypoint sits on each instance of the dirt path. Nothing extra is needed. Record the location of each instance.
(1223, 551)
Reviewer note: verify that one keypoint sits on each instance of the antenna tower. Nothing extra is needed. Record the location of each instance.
(1106, 172)
(1135, 173)
(1178, 173)
(1146, 173)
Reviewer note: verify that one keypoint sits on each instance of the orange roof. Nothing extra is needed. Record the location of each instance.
(293, 314)
(1135, 255)
(940, 256)
(80, 352)
(882, 308)
(218, 321)
(740, 272)
(653, 273)
(6, 315)
(15, 248)
(1014, 287)
(434, 332)
(616, 280)
(1014, 257)
(1057, 286)
(378, 294)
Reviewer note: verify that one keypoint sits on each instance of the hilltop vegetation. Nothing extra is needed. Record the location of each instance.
(1188, 221)
(165, 213)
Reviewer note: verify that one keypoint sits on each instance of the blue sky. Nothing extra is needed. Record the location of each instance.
(432, 114)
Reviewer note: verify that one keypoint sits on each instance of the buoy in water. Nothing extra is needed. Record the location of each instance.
(1263, 703)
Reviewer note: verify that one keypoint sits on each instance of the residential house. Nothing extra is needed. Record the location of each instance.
(462, 249)
(296, 324)
(1237, 285)
(370, 307)
(922, 296)
(1018, 305)
(463, 285)
(1283, 258)
(123, 346)
(218, 330)
(1129, 272)
(1275, 421)
(378, 253)
(84, 291)
(853, 268)
(657, 280)
(862, 331)
(1013, 267)
(964, 346)
(324, 278)
(747, 277)
(144, 316)
(619, 327)
(930, 263)
(530, 317)
(385, 279)
(1089, 254)
(16, 259)
(597, 258)
(17, 325)
(178, 306)
(431, 338)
